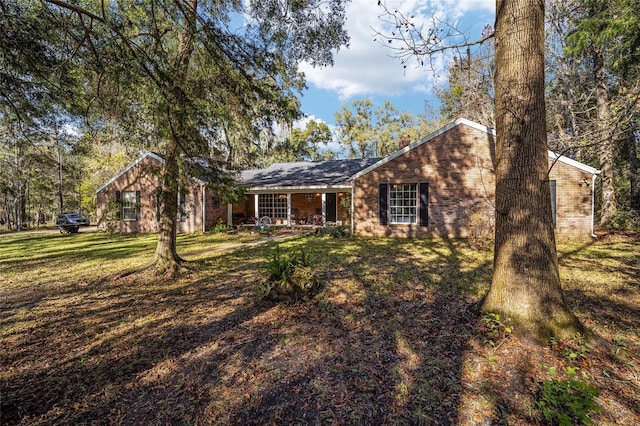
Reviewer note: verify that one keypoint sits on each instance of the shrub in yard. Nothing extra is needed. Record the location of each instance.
(625, 220)
(220, 226)
(291, 277)
(339, 231)
(567, 402)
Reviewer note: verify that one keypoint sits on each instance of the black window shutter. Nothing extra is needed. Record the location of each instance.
(119, 211)
(158, 202)
(554, 207)
(137, 205)
(384, 188)
(424, 204)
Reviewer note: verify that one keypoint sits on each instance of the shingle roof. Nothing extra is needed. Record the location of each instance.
(305, 173)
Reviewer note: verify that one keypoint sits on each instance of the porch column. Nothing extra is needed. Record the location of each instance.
(288, 209)
(324, 208)
(255, 206)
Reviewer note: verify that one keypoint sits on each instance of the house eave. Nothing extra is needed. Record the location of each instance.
(297, 189)
(578, 165)
(135, 163)
(566, 160)
(129, 167)
(419, 142)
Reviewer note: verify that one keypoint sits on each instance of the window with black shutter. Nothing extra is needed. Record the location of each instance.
(424, 204)
(384, 189)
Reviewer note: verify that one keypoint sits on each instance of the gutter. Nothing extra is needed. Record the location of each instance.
(593, 203)
(204, 208)
(353, 225)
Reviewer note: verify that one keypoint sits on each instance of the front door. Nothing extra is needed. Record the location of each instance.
(331, 211)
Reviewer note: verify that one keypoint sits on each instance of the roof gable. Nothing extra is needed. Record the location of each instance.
(131, 166)
(142, 157)
(463, 121)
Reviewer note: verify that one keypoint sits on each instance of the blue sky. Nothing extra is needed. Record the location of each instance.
(367, 69)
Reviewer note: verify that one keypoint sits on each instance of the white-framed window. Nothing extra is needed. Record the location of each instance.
(272, 205)
(403, 203)
(130, 205)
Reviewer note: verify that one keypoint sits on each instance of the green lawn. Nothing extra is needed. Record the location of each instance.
(89, 336)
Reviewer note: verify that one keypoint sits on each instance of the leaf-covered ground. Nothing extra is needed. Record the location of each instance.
(394, 337)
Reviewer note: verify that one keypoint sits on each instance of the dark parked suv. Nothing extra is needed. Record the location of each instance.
(71, 222)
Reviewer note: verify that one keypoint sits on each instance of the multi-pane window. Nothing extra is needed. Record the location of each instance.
(129, 205)
(403, 203)
(272, 205)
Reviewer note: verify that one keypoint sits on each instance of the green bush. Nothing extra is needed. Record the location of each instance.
(290, 277)
(567, 402)
(220, 226)
(339, 231)
(625, 220)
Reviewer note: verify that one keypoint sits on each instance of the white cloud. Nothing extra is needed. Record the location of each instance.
(367, 68)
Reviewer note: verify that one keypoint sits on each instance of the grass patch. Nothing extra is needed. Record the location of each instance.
(391, 339)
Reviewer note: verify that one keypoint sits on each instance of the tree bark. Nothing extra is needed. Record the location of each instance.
(605, 139)
(633, 172)
(525, 288)
(167, 259)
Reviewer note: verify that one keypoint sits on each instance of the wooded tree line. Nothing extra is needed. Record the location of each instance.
(59, 143)
(591, 90)
(192, 79)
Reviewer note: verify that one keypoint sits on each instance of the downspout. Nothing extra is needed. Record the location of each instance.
(593, 203)
(204, 208)
(353, 225)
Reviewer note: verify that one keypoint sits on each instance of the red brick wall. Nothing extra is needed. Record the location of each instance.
(573, 200)
(216, 209)
(458, 165)
(146, 177)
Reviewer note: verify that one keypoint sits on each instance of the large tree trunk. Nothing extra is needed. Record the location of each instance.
(605, 139)
(525, 288)
(633, 172)
(167, 259)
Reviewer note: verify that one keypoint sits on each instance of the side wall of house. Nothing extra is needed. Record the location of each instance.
(458, 168)
(144, 179)
(215, 209)
(573, 199)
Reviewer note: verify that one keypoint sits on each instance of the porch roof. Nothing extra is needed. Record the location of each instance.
(305, 174)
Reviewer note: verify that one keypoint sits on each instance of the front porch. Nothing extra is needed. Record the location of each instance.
(308, 207)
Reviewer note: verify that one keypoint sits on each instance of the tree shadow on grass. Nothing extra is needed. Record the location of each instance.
(610, 310)
(384, 343)
(74, 356)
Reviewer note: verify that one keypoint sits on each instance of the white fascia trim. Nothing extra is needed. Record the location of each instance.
(129, 167)
(474, 125)
(296, 189)
(143, 155)
(419, 142)
(578, 165)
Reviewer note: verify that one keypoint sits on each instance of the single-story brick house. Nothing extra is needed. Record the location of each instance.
(440, 185)
(130, 200)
